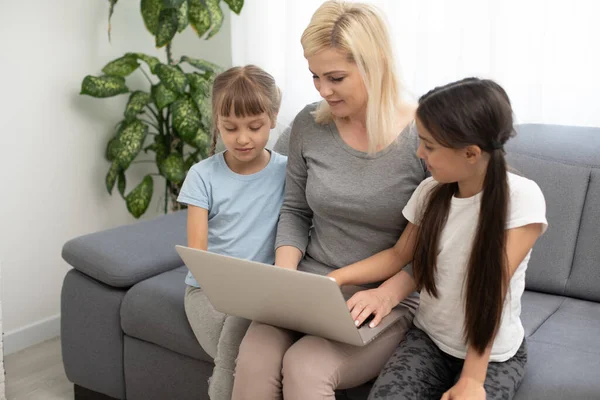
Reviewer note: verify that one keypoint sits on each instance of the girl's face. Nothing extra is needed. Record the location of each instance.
(245, 137)
(447, 165)
(339, 83)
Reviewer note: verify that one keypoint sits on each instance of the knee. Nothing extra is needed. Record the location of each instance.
(260, 352)
(305, 365)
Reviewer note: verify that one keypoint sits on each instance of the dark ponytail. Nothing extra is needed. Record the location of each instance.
(460, 114)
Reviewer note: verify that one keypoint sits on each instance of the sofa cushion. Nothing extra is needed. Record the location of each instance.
(556, 372)
(564, 187)
(153, 311)
(584, 281)
(575, 325)
(536, 308)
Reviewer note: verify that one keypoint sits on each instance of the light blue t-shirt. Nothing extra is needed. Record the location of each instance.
(243, 210)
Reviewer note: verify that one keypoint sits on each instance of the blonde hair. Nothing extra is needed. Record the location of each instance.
(246, 91)
(359, 30)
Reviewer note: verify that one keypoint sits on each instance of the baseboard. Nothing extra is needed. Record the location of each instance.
(31, 335)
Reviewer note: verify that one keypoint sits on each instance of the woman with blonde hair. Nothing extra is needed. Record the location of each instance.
(352, 167)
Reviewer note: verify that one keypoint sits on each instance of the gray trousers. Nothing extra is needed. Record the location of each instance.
(420, 370)
(219, 335)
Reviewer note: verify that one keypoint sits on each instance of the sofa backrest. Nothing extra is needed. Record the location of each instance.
(565, 162)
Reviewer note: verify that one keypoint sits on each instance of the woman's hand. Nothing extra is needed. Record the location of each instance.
(373, 301)
(465, 389)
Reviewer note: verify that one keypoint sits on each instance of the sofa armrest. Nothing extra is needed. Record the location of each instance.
(126, 255)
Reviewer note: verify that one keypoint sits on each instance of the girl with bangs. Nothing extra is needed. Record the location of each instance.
(233, 200)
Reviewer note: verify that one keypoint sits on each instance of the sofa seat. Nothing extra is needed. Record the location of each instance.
(153, 311)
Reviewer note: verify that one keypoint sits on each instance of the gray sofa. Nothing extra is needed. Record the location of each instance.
(125, 334)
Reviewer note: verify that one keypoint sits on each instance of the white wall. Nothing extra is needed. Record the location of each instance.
(52, 168)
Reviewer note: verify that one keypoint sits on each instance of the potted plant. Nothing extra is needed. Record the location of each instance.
(172, 119)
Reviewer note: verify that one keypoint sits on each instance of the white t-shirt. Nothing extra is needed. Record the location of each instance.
(442, 318)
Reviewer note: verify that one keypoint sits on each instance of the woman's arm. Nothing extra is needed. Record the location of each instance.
(519, 241)
(382, 265)
(288, 257)
(295, 217)
(197, 227)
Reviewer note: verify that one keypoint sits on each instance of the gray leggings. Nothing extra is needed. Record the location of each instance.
(418, 369)
(219, 335)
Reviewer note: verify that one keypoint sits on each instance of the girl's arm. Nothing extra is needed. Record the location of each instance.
(197, 227)
(382, 265)
(519, 241)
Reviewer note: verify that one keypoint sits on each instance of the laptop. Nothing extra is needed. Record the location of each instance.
(296, 300)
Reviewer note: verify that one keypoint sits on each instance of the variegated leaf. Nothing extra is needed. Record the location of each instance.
(121, 183)
(167, 26)
(139, 198)
(103, 86)
(205, 66)
(151, 61)
(163, 96)
(235, 5)
(137, 101)
(161, 148)
(199, 16)
(191, 160)
(173, 168)
(202, 142)
(112, 148)
(186, 119)
(150, 10)
(111, 176)
(182, 17)
(131, 140)
(173, 78)
(216, 17)
(122, 66)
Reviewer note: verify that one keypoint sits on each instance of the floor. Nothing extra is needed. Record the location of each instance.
(37, 373)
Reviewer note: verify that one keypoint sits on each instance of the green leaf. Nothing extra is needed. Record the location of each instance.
(103, 86)
(182, 17)
(131, 140)
(186, 118)
(199, 17)
(137, 101)
(150, 10)
(112, 148)
(167, 26)
(216, 17)
(191, 160)
(151, 61)
(173, 3)
(121, 183)
(111, 176)
(202, 142)
(235, 5)
(203, 65)
(163, 96)
(161, 148)
(122, 66)
(173, 168)
(139, 198)
(173, 78)
(200, 90)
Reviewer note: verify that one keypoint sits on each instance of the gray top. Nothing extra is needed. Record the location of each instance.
(353, 200)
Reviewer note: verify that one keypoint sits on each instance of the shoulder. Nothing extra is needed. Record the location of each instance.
(207, 167)
(524, 190)
(305, 120)
(279, 160)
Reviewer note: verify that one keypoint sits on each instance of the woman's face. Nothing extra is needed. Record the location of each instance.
(339, 83)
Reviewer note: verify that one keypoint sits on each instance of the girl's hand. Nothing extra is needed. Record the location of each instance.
(367, 302)
(465, 389)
